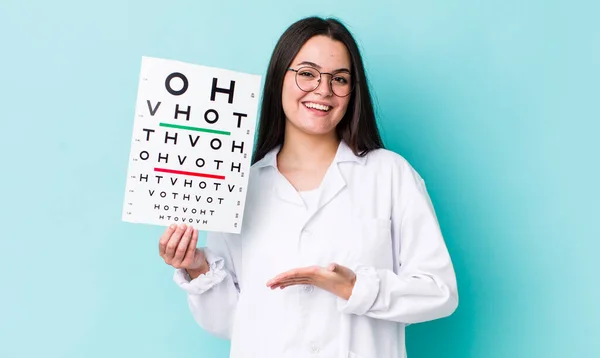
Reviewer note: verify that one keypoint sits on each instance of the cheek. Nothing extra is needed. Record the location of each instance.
(290, 96)
(343, 107)
(345, 104)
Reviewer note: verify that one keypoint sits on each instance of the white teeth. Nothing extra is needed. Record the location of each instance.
(317, 106)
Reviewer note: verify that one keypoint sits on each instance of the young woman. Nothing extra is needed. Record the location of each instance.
(340, 247)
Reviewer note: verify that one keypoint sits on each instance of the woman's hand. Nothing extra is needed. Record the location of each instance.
(177, 247)
(336, 279)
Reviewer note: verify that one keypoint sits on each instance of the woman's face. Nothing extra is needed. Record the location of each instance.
(317, 112)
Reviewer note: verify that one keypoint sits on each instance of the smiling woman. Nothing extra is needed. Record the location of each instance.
(310, 104)
(340, 246)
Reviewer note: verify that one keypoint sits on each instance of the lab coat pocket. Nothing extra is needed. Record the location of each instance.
(374, 244)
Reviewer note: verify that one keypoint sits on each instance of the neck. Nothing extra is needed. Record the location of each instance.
(308, 151)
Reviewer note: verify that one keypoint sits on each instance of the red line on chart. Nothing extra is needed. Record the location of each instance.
(203, 175)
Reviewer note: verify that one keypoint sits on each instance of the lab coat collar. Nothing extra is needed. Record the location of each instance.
(343, 154)
(332, 183)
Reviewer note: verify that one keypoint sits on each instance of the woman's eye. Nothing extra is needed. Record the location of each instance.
(308, 74)
(341, 80)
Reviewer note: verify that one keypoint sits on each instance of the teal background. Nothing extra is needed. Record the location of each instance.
(496, 103)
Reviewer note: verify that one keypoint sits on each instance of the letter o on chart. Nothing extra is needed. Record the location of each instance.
(170, 89)
(215, 115)
(216, 144)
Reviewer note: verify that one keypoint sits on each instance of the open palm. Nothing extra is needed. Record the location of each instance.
(335, 278)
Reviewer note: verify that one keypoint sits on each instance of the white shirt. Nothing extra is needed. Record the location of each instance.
(371, 214)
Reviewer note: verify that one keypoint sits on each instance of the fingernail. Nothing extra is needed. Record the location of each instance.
(182, 226)
(173, 226)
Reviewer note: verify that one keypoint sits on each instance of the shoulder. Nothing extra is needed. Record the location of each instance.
(395, 167)
(385, 158)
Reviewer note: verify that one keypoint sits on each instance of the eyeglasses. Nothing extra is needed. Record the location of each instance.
(308, 79)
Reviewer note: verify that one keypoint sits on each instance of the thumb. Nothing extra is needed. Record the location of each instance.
(332, 267)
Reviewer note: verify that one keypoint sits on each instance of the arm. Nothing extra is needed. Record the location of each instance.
(422, 286)
(212, 296)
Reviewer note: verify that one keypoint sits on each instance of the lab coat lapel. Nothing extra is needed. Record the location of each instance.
(282, 188)
(285, 190)
(332, 184)
(334, 180)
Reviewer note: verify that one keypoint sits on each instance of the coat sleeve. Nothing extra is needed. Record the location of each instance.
(422, 286)
(213, 296)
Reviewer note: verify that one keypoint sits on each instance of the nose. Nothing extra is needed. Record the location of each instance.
(324, 87)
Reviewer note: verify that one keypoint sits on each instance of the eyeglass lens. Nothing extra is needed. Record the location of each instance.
(307, 79)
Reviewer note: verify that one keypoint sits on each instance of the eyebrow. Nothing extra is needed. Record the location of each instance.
(319, 67)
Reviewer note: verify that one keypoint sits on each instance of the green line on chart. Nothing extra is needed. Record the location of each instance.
(214, 131)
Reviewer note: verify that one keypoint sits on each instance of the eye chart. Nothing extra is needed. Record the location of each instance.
(193, 137)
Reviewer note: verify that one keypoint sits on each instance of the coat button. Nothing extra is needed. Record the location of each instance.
(314, 349)
(308, 288)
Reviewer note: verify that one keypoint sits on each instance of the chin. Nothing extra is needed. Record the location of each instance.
(319, 126)
(307, 126)
(318, 130)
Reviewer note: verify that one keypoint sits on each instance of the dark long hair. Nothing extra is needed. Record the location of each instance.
(358, 127)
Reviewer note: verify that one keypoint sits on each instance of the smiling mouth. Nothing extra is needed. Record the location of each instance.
(320, 107)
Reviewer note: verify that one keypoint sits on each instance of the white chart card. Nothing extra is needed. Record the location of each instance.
(191, 148)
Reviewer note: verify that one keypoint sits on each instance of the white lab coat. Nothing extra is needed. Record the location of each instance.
(373, 215)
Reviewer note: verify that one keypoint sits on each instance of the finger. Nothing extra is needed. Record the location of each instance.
(292, 281)
(281, 277)
(299, 272)
(343, 271)
(310, 275)
(332, 267)
(293, 284)
(182, 246)
(283, 281)
(191, 250)
(174, 241)
(162, 243)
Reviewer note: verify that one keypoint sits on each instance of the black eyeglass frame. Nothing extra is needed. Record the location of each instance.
(331, 75)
